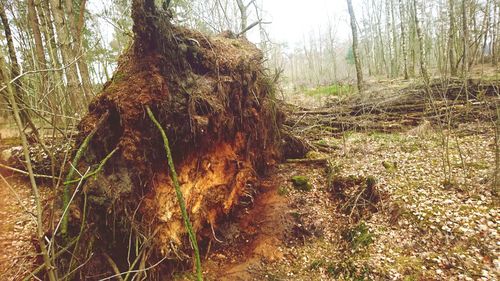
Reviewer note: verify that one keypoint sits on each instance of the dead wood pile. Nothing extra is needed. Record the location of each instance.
(215, 102)
(442, 101)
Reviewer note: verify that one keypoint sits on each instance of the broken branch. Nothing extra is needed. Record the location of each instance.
(180, 198)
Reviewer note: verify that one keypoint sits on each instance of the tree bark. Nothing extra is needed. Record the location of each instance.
(494, 31)
(66, 52)
(390, 50)
(403, 41)
(14, 67)
(243, 16)
(465, 30)
(357, 62)
(451, 38)
(395, 60)
(41, 62)
(423, 66)
(77, 25)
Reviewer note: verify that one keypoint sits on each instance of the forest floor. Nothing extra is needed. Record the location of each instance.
(17, 228)
(431, 214)
(385, 202)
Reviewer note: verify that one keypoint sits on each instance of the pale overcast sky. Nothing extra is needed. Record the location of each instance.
(292, 20)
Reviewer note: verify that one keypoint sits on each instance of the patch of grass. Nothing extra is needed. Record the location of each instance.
(411, 266)
(390, 137)
(347, 270)
(410, 147)
(11, 141)
(478, 165)
(315, 264)
(359, 236)
(322, 142)
(331, 143)
(331, 90)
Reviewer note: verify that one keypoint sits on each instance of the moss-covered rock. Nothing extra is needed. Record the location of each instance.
(301, 183)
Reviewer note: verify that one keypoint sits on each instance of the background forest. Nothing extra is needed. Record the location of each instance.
(313, 140)
(62, 52)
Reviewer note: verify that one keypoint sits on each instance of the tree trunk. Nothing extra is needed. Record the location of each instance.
(403, 41)
(14, 67)
(423, 66)
(357, 62)
(243, 16)
(395, 64)
(66, 52)
(390, 51)
(486, 29)
(451, 39)
(494, 31)
(56, 77)
(465, 30)
(77, 25)
(41, 62)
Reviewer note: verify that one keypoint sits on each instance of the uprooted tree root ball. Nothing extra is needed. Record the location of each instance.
(215, 103)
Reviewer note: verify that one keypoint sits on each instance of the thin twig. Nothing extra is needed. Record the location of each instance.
(65, 211)
(39, 71)
(134, 271)
(93, 173)
(74, 163)
(26, 173)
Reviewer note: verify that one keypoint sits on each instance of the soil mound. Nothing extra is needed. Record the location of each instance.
(216, 105)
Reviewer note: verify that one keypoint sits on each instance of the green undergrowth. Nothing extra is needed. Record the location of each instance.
(359, 237)
(331, 90)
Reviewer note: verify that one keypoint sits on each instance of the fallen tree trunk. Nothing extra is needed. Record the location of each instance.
(215, 103)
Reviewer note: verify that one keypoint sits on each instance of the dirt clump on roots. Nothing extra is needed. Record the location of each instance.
(216, 105)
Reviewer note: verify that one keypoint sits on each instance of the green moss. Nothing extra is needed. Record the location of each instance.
(390, 167)
(322, 142)
(301, 183)
(330, 143)
(117, 77)
(371, 181)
